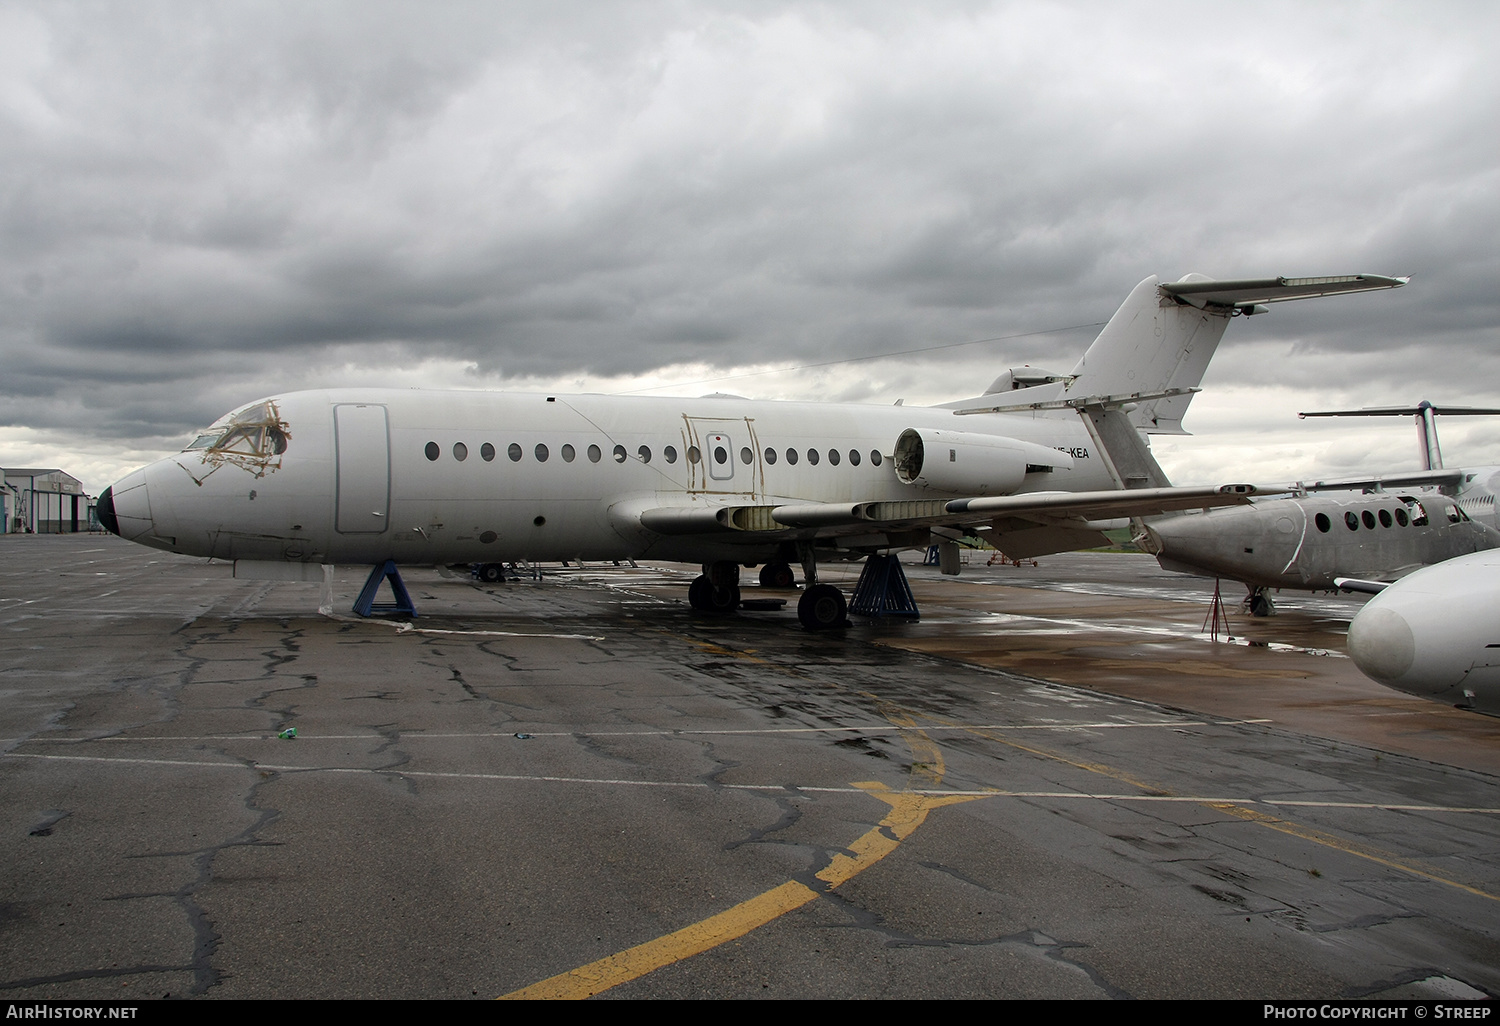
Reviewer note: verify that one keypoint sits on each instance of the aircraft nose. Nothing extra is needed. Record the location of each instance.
(125, 508)
(105, 507)
(1381, 644)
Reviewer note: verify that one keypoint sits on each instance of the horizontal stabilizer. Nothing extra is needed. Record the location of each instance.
(1415, 479)
(1407, 411)
(1248, 292)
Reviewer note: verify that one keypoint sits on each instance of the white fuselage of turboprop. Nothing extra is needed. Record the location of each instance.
(426, 477)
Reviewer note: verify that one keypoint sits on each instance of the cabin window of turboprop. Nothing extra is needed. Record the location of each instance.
(1369, 519)
(812, 456)
(874, 457)
(1385, 518)
(746, 456)
(693, 454)
(432, 451)
(594, 454)
(487, 452)
(791, 456)
(1352, 519)
(833, 457)
(853, 457)
(670, 453)
(569, 454)
(514, 452)
(619, 454)
(644, 452)
(1401, 516)
(770, 455)
(1323, 522)
(460, 451)
(541, 452)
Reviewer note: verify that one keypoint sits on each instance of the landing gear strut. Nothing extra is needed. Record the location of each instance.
(1259, 603)
(717, 589)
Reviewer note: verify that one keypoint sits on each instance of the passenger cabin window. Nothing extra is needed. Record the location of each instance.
(693, 454)
(1322, 521)
(874, 457)
(770, 455)
(568, 453)
(1385, 518)
(619, 454)
(1401, 516)
(644, 453)
(1369, 519)
(670, 453)
(594, 454)
(541, 453)
(853, 457)
(432, 451)
(460, 451)
(833, 457)
(812, 456)
(1352, 519)
(514, 452)
(746, 456)
(487, 452)
(791, 456)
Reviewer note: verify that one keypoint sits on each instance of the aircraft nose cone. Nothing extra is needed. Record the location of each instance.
(124, 507)
(1381, 644)
(105, 507)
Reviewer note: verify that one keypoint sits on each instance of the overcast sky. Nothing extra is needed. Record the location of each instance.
(206, 203)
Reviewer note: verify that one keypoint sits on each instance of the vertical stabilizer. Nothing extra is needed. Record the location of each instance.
(1153, 343)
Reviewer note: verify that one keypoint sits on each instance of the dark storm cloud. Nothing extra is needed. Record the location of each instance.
(203, 203)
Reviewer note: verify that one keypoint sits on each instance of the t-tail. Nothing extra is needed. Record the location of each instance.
(1150, 358)
(1425, 414)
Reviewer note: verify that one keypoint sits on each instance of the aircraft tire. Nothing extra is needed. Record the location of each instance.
(492, 573)
(705, 598)
(777, 575)
(822, 607)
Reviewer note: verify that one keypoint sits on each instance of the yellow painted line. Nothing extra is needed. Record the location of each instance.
(908, 811)
(1373, 854)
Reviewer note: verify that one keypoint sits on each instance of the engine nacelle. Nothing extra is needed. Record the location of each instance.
(966, 463)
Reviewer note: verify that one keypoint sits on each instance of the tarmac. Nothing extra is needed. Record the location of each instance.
(1056, 784)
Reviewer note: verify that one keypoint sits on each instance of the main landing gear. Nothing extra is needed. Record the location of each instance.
(717, 589)
(1259, 603)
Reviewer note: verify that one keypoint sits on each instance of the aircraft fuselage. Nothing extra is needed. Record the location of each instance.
(424, 477)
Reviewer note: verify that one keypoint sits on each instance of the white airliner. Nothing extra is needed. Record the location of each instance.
(382, 477)
(1435, 634)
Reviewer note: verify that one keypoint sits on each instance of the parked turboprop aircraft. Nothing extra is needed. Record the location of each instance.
(1435, 633)
(389, 477)
(1362, 531)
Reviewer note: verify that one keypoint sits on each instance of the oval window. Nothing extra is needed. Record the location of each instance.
(670, 452)
(514, 452)
(644, 452)
(812, 456)
(720, 456)
(1401, 516)
(594, 454)
(693, 454)
(833, 457)
(853, 457)
(432, 451)
(541, 452)
(791, 456)
(486, 452)
(770, 455)
(1385, 518)
(746, 456)
(619, 454)
(1322, 521)
(460, 451)
(1369, 519)
(874, 457)
(568, 453)
(1352, 519)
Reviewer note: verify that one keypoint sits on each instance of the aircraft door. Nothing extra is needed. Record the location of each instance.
(729, 458)
(362, 438)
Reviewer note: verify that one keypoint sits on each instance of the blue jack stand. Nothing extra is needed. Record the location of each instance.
(882, 590)
(365, 604)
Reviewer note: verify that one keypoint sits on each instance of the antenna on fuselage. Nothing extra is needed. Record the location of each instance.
(1425, 414)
